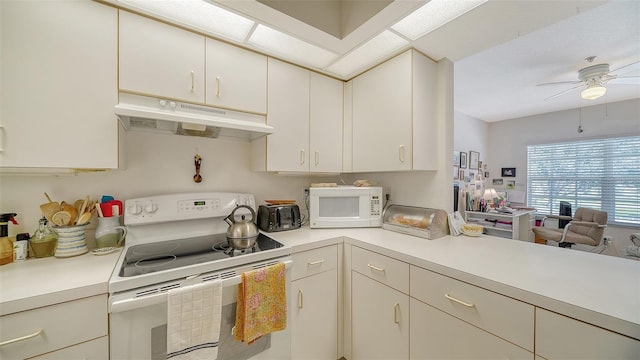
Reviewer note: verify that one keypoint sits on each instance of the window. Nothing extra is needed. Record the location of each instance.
(601, 174)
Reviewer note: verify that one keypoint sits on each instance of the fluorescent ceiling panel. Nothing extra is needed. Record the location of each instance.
(368, 54)
(198, 14)
(290, 48)
(433, 15)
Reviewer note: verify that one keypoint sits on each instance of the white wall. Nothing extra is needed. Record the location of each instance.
(508, 140)
(156, 164)
(470, 134)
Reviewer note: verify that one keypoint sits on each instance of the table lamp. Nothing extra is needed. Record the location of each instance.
(491, 196)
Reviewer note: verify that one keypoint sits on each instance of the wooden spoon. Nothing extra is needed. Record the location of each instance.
(73, 213)
(49, 208)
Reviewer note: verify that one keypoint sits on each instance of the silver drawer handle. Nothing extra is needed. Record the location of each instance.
(375, 268)
(217, 86)
(21, 338)
(458, 301)
(193, 81)
(316, 262)
(300, 294)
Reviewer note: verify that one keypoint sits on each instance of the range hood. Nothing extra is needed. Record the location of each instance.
(173, 117)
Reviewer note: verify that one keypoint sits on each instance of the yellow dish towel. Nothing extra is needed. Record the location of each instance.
(262, 303)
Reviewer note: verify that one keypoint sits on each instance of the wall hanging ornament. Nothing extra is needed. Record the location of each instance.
(198, 161)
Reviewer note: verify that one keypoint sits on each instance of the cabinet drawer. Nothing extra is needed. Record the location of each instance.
(97, 349)
(560, 337)
(314, 261)
(382, 268)
(507, 318)
(60, 325)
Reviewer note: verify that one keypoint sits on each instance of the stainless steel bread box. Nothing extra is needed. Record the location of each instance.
(422, 222)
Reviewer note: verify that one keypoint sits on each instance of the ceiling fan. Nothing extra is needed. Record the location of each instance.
(593, 78)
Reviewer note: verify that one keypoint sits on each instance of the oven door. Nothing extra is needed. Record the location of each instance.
(138, 327)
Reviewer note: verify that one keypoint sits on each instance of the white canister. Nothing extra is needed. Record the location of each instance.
(21, 247)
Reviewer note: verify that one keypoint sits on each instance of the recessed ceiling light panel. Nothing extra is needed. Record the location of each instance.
(433, 15)
(198, 14)
(368, 54)
(290, 48)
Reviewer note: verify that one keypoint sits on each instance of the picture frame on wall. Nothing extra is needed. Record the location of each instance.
(510, 185)
(456, 158)
(497, 181)
(508, 172)
(463, 160)
(474, 160)
(456, 172)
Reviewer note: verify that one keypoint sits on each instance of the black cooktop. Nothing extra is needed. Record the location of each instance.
(171, 254)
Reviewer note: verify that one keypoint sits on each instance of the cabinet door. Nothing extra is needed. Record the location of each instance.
(160, 60)
(382, 114)
(59, 68)
(380, 317)
(314, 317)
(288, 113)
(236, 78)
(560, 337)
(438, 335)
(325, 124)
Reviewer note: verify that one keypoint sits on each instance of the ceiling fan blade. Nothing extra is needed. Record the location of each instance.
(560, 83)
(564, 92)
(625, 80)
(628, 67)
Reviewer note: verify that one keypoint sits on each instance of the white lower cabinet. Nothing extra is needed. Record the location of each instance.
(438, 335)
(380, 320)
(314, 305)
(70, 330)
(560, 337)
(379, 306)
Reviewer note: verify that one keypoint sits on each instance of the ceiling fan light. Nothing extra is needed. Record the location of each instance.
(593, 92)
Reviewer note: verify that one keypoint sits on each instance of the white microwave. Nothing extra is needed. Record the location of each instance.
(345, 207)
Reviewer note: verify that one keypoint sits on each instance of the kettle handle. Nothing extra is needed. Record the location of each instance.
(231, 216)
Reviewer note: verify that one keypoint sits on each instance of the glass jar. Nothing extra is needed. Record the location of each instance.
(44, 240)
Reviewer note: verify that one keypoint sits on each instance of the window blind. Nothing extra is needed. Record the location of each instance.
(601, 174)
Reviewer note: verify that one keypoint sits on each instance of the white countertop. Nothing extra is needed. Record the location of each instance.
(598, 289)
(46, 281)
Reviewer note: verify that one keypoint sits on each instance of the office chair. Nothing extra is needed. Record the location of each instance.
(585, 227)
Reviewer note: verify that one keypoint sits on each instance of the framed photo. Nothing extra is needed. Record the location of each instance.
(461, 174)
(511, 185)
(486, 174)
(474, 160)
(508, 172)
(497, 181)
(456, 158)
(463, 160)
(456, 173)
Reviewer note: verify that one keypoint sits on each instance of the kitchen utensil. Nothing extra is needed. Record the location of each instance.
(241, 234)
(61, 218)
(73, 213)
(50, 208)
(84, 205)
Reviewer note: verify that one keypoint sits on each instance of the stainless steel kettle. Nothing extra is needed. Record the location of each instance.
(241, 234)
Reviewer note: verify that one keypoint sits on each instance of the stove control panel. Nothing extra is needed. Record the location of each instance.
(176, 207)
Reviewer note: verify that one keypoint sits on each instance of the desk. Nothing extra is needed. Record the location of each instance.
(516, 226)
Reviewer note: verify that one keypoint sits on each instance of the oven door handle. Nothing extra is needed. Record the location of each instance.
(159, 298)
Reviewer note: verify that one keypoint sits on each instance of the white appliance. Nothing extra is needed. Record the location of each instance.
(138, 112)
(178, 240)
(345, 207)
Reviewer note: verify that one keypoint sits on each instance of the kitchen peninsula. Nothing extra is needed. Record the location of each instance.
(596, 292)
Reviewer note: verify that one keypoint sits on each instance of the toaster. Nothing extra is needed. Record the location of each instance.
(272, 218)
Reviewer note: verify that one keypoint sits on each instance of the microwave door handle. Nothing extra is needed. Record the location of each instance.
(278, 220)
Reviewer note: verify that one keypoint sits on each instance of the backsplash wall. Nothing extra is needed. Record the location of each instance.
(159, 164)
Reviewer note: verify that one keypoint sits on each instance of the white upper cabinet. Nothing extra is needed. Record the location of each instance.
(160, 60)
(288, 112)
(59, 72)
(394, 115)
(236, 78)
(325, 124)
(306, 110)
